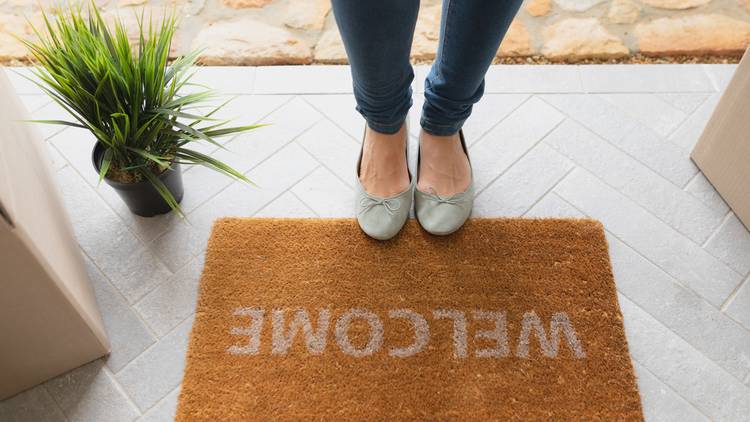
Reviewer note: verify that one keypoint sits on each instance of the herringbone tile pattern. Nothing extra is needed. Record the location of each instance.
(609, 142)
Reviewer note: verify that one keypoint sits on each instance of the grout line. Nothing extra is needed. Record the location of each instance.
(711, 77)
(510, 113)
(254, 122)
(521, 157)
(687, 401)
(151, 347)
(689, 344)
(662, 222)
(733, 295)
(303, 202)
(333, 122)
(163, 399)
(288, 189)
(716, 231)
(638, 120)
(676, 281)
(617, 147)
(684, 121)
(124, 299)
(121, 389)
(43, 386)
(322, 164)
(584, 89)
(637, 200)
(107, 205)
(690, 182)
(680, 336)
(256, 165)
(544, 195)
(179, 281)
(657, 266)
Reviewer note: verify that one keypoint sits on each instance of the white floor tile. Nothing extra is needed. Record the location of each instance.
(739, 307)
(511, 139)
(157, 371)
(242, 200)
(325, 194)
(333, 148)
(35, 102)
(645, 78)
(89, 393)
(34, 405)
(288, 206)
(339, 108)
(689, 373)
(532, 79)
(315, 80)
(672, 251)
(687, 134)
(552, 206)
(18, 77)
(51, 111)
(686, 102)
(648, 109)
(177, 246)
(165, 410)
(284, 125)
(661, 156)
(128, 336)
(173, 301)
(661, 403)
(665, 200)
(133, 270)
(518, 189)
(720, 74)
(731, 244)
(487, 113)
(683, 312)
(225, 80)
(702, 189)
(598, 115)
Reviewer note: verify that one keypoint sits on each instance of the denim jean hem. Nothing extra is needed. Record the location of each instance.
(386, 128)
(440, 129)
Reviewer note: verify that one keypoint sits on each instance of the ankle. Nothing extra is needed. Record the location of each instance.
(444, 167)
(383, 171)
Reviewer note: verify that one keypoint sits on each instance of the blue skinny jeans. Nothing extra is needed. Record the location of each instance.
(377, 35)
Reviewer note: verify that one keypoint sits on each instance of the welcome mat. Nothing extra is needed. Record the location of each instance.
(311, 319)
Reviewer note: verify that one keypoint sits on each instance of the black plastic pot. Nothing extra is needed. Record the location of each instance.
(142, 198)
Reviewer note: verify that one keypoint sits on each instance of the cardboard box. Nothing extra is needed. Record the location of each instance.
(723, 150)
(49, 320)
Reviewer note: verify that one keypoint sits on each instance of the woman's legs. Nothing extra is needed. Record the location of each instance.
(470, 35)
(377, 35)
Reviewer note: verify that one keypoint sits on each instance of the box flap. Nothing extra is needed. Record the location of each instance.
(40, 224)
(723, 150)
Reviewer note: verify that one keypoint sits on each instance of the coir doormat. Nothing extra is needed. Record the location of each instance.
(310, 320)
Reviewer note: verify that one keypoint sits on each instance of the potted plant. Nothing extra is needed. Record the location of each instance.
(130, 97)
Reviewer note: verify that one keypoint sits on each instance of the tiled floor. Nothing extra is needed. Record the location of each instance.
(610, 142)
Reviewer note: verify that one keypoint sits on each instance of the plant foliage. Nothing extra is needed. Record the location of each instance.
(128, 94)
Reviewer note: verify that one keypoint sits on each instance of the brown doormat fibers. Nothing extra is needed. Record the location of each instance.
(505, 319)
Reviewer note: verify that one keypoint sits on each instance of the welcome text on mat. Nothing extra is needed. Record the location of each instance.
(495, 342)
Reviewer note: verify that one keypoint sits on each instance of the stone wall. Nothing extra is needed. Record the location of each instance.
(266, 32)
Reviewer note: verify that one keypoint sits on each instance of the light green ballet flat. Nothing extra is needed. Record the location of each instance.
(443, 215)
(383, 218)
